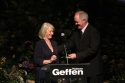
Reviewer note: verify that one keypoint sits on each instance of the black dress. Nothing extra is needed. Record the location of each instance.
(43, 52)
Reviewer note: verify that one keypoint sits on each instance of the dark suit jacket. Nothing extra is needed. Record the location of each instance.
(88, 49)
(42, 52)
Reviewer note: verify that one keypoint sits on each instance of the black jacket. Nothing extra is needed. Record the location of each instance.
(87, 49)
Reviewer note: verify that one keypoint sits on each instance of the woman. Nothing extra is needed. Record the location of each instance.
(45, 52)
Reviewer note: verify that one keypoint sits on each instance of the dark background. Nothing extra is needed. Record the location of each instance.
(20, 21)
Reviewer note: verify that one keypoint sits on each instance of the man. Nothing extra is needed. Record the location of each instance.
(87, 45)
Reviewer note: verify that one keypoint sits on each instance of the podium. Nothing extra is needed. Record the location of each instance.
(65, 71)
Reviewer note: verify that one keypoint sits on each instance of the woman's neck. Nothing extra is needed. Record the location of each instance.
(46, 39)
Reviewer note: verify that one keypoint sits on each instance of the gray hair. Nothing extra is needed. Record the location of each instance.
(82, 15)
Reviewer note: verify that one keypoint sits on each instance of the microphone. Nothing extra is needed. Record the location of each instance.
(63, 35)
(65, 47)
(65, 40)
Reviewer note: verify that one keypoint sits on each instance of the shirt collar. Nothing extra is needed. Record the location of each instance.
(84, 28)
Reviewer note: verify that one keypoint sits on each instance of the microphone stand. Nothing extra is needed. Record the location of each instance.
(63, 35)
(66, 55)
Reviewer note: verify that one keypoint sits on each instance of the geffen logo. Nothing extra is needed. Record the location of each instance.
(72, 71)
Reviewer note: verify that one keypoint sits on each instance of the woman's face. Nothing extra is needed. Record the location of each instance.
(49, 33)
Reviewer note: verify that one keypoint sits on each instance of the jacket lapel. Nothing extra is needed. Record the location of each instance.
(85, 33)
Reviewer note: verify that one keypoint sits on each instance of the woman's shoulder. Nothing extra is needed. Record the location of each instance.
(40, 41)
(53, 41)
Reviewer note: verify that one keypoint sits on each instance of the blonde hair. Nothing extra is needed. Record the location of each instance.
(43, 29)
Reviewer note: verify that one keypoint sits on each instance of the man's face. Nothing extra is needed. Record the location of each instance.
(78, 22)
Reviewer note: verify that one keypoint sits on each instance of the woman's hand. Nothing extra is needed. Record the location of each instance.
(53, 58)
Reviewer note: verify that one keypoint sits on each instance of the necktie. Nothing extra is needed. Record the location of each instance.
(80, 34)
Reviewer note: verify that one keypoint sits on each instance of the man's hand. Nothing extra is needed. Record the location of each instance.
(72, 56)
